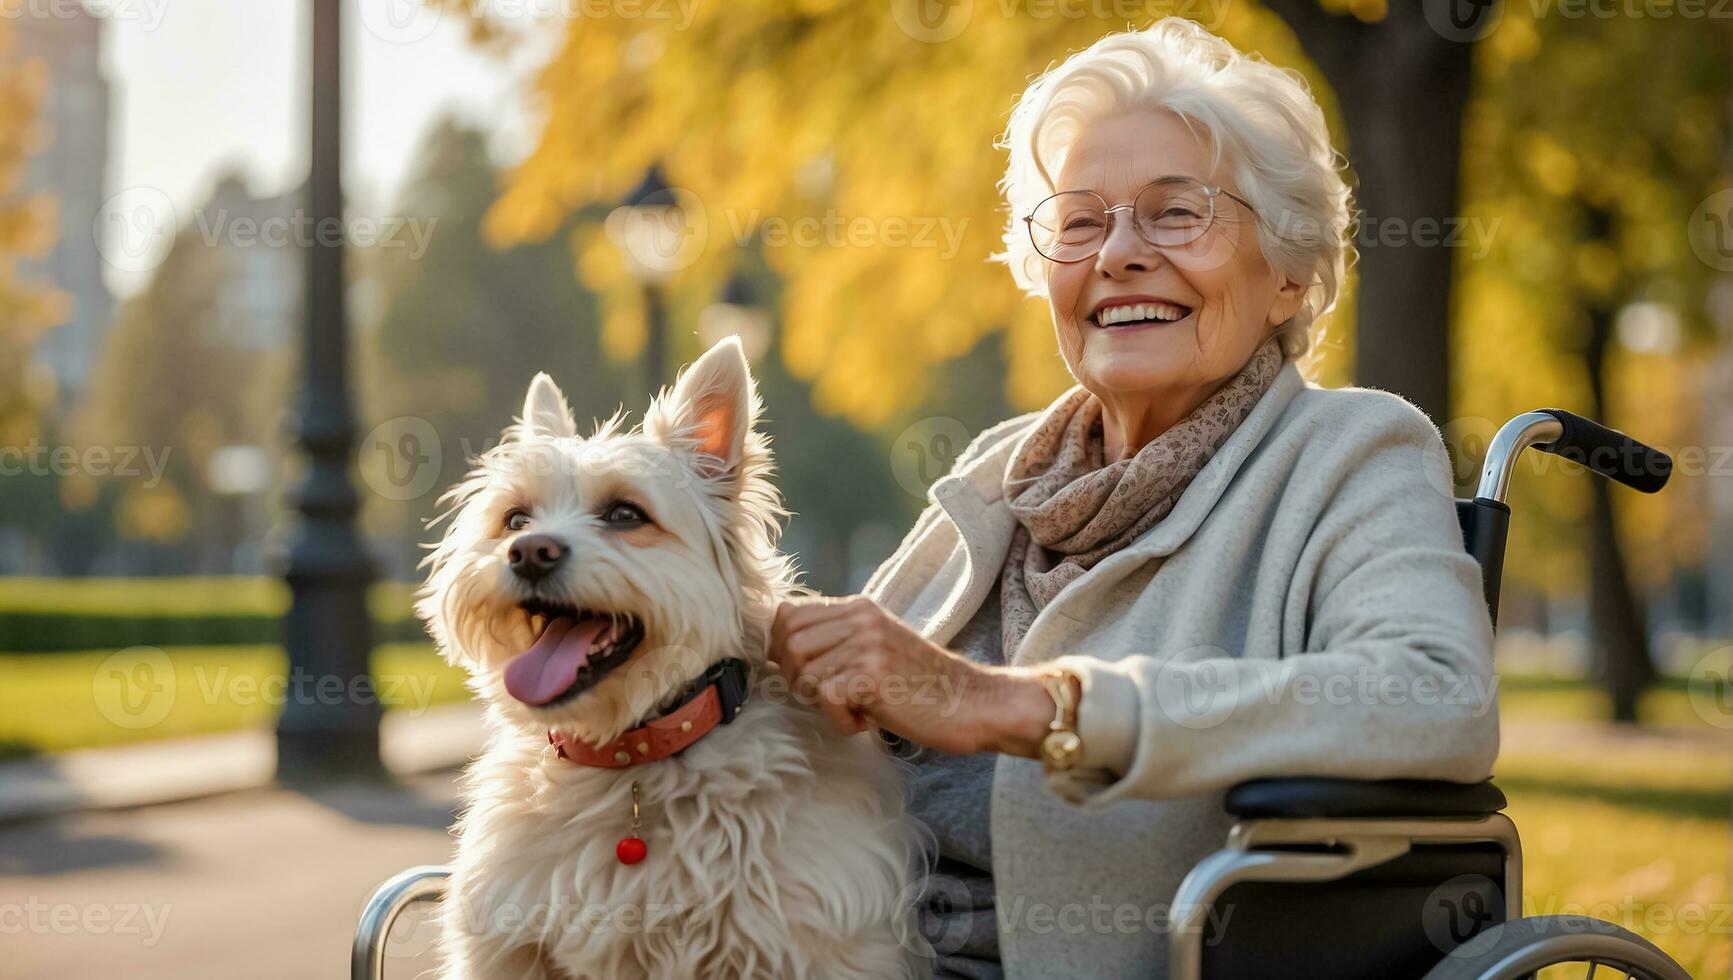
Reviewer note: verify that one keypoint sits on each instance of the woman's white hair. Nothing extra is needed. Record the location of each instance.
(1263, 118)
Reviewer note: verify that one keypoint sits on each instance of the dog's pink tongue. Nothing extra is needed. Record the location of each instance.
(547, 669)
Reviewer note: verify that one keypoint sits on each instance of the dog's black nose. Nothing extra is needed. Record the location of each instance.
(533, 556)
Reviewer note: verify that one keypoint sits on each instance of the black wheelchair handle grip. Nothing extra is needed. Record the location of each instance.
(1609, 452)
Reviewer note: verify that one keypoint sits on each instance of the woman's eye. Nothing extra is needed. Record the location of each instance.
(517, 519)
(624, 513)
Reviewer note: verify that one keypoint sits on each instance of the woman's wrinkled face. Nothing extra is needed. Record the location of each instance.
(1229, 298)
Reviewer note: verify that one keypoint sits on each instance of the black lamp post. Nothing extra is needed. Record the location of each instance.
(650, 227)
(329, 725)
(737, 313)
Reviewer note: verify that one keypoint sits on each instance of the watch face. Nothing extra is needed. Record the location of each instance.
(1061, 749)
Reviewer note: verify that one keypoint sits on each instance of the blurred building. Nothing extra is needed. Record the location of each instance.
(233, 282)
(256, 242)
(73, 167)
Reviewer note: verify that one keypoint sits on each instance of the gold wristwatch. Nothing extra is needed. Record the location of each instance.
(1062, 746)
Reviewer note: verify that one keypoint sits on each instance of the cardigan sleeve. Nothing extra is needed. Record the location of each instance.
(1395, 679)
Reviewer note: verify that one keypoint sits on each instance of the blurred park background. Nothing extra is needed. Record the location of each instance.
(601, 188)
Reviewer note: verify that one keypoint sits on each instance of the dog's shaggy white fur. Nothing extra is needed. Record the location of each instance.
(777, 846)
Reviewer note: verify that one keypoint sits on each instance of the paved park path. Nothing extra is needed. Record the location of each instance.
(253, 885)
(180, 860)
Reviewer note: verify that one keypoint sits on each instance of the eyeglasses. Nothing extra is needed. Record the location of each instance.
(1071, 226)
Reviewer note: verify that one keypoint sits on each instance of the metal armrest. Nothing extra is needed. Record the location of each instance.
(1303, 797)
(419, 884)
(1274, 879)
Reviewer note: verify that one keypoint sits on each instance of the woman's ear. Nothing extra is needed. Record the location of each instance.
(1289, 297)
(715, 403)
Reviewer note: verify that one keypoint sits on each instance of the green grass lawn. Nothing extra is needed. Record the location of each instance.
(1533, 697)
(50, 702)
(176, 596)
(1640, 837)
(1636, 834)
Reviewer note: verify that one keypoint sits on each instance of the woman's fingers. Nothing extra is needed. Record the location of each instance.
(833, 683)
(832, 662)
(805, 628)
(850, 658)
(815, 641)
(834, 698)
(845, 683)
(812, 642)
(794, 614)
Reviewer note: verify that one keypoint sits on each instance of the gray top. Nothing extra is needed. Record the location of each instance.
(953, 795)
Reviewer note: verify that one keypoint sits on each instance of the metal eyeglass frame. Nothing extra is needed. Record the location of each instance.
(1210, 190)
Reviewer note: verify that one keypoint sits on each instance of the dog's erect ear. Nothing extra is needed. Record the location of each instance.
(545, 410)
(716, 401)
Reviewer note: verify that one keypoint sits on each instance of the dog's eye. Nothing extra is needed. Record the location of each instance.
(622, 512)
(517, 519)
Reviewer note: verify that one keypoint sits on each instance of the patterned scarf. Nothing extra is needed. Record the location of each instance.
(1080, 509)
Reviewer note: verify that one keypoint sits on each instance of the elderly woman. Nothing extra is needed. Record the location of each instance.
(1192, 568)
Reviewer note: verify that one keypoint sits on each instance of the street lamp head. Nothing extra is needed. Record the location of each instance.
(654, 228)
(651, 189)
(737, 313)
(738, 291)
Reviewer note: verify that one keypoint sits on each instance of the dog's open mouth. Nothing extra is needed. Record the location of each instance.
(573, 651)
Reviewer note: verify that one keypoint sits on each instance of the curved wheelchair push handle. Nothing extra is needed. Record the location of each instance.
(1609, 452)
(418, 884)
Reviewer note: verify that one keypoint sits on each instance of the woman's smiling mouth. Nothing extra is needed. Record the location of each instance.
(1129, 313)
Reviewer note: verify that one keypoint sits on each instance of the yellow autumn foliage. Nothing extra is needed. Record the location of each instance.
(854, 148)
(825, 117)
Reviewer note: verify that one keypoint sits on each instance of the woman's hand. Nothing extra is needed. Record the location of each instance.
(867, 669)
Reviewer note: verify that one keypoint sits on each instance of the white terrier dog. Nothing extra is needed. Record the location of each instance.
(652, 802)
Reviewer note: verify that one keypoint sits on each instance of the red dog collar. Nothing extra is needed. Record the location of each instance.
(716, 702)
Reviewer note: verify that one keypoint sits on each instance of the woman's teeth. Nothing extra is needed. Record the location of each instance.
(1138, 312)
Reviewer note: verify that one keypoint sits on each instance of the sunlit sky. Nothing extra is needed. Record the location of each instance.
(205, 87)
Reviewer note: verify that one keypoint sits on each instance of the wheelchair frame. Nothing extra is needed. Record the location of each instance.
(1368, 843)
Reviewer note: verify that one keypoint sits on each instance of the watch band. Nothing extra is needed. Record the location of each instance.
(1062, 746)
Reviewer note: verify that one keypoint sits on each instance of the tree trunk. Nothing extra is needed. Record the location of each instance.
(1402, 88)
(1620, 628)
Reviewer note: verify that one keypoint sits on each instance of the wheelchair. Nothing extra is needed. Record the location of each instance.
(1350, 878)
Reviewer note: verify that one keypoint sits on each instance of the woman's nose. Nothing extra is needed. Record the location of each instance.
(1124, 251)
